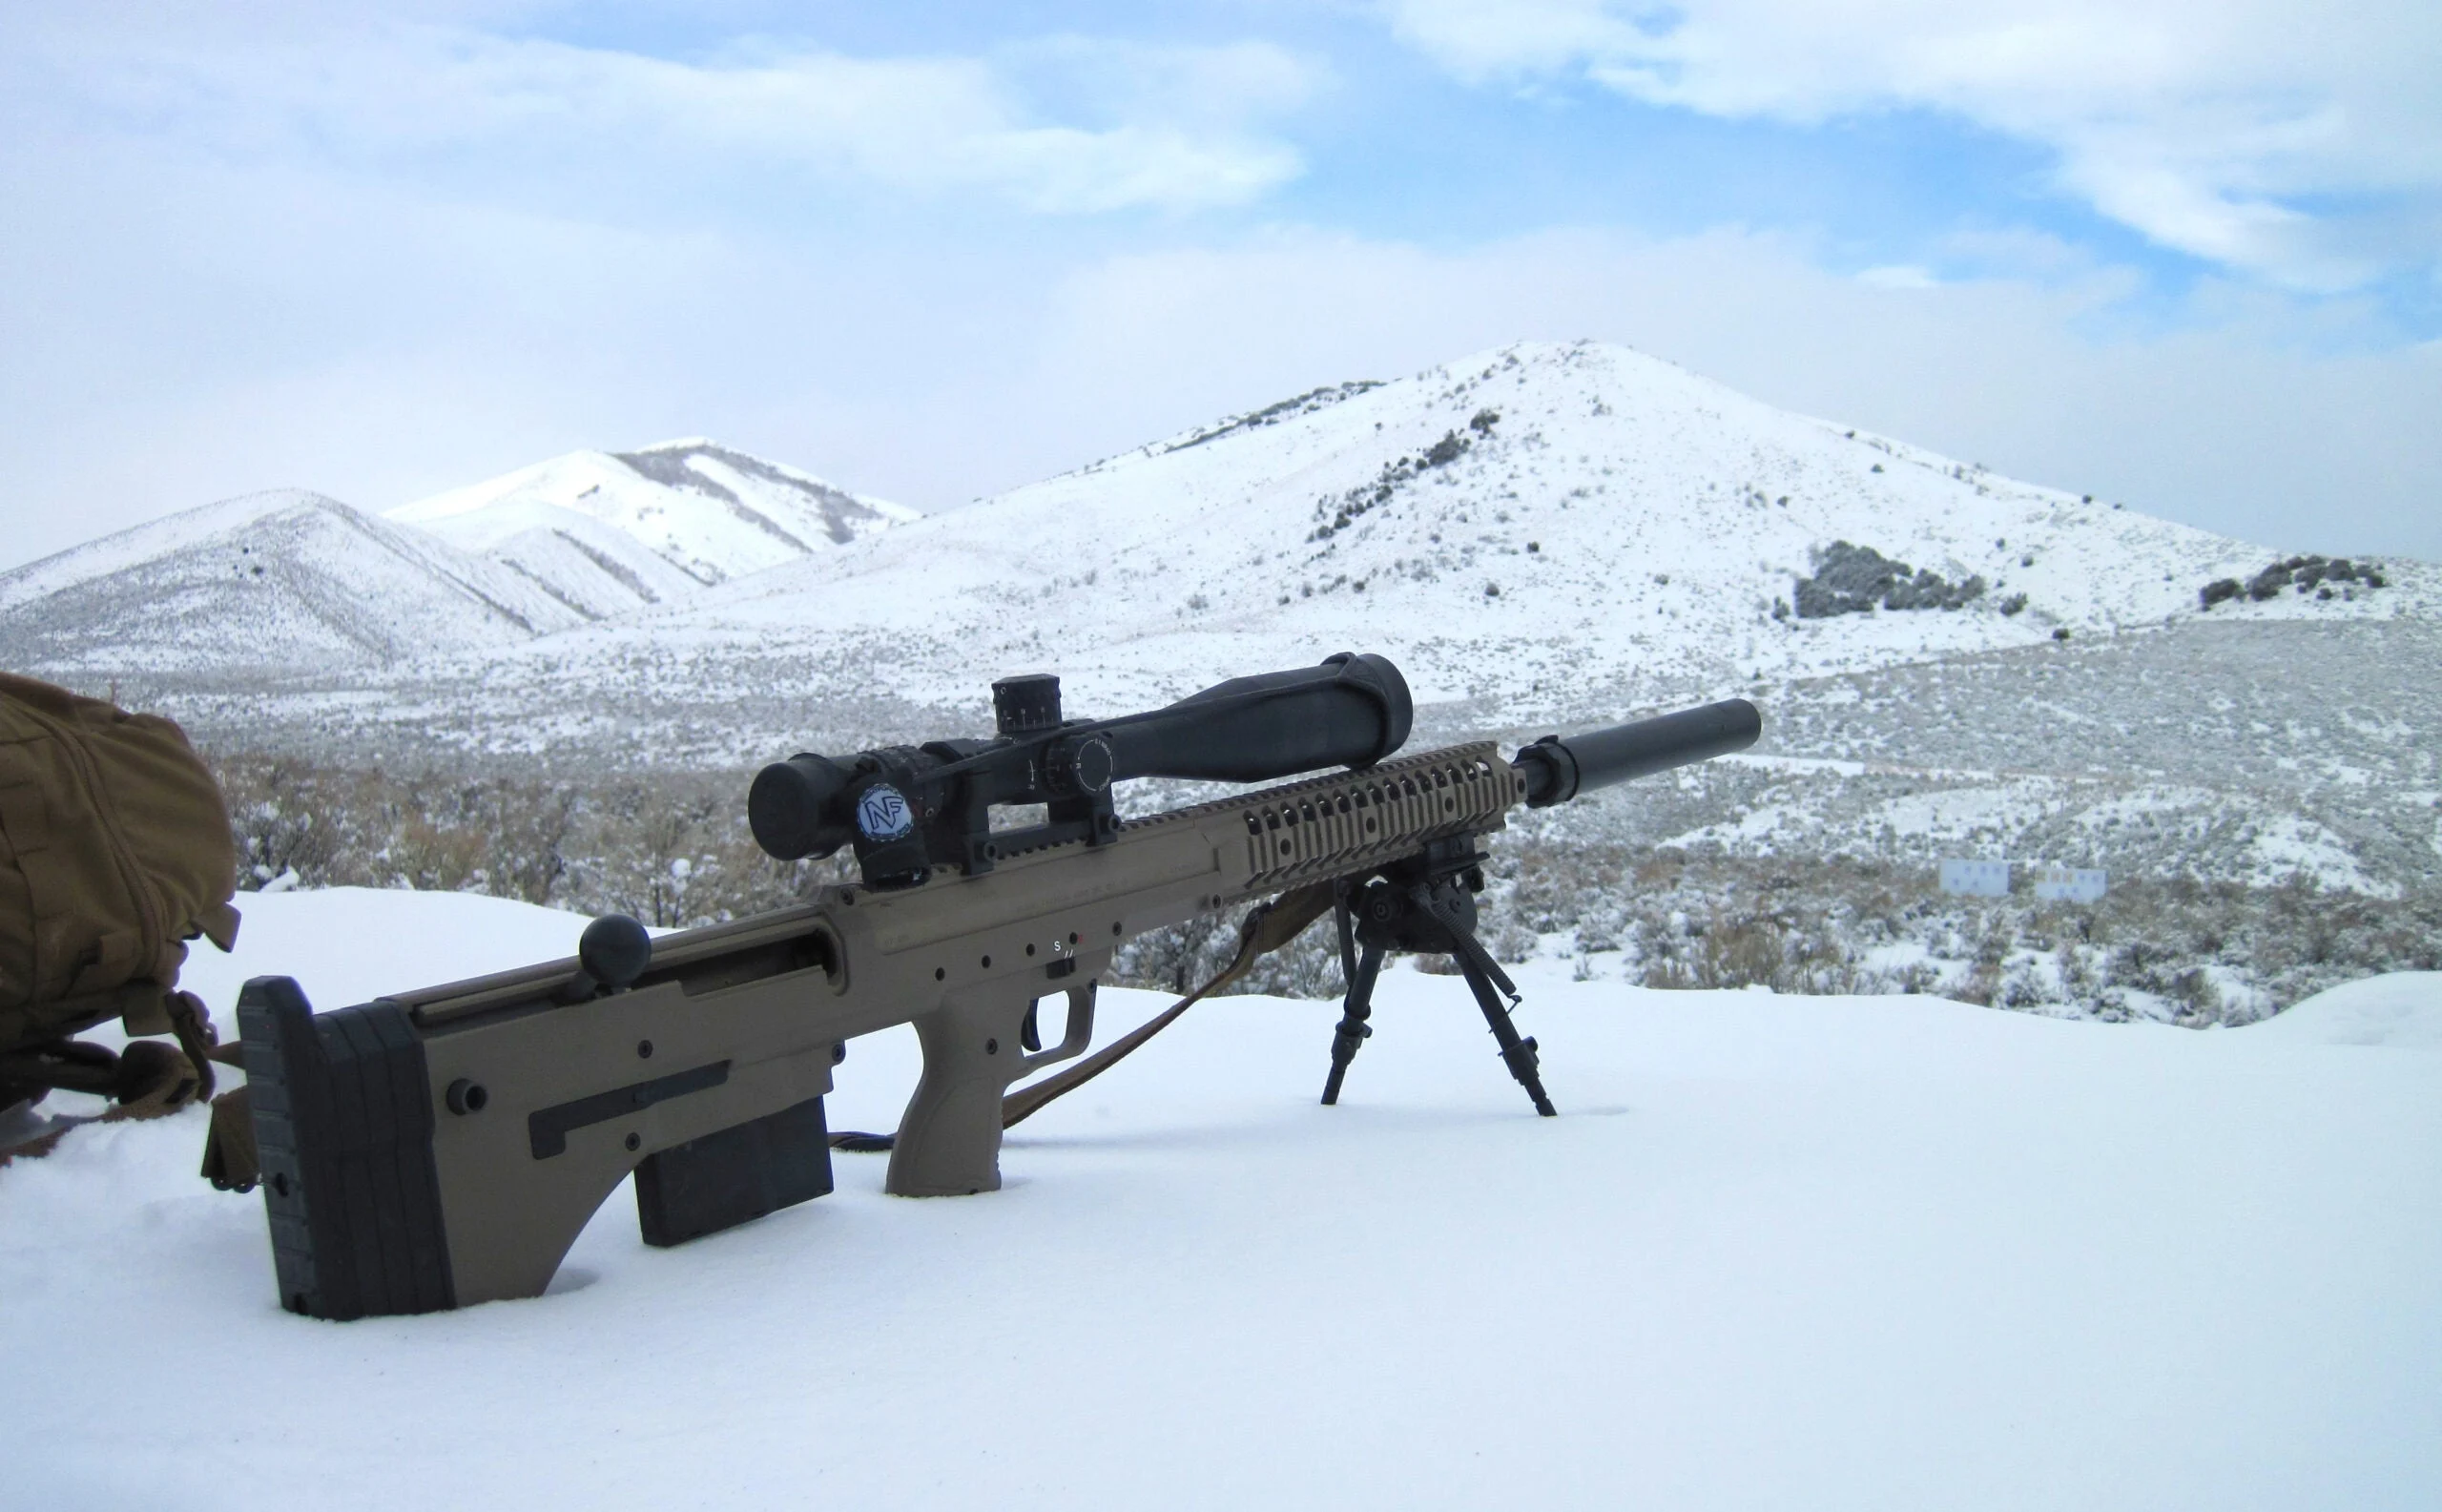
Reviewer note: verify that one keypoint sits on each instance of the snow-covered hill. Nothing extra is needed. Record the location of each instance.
(1537, 534)
(1887, 1253)
(1540, 532)
(607, 532)
(1529, 526)
(281, 582)
(294, 585)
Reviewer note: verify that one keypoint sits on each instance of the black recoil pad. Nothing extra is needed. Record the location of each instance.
(1558, 770)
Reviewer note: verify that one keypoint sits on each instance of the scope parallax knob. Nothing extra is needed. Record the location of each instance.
(1079, 765)
(1027, 704)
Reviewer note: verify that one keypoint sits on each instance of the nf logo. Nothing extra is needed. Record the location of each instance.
(882, 813)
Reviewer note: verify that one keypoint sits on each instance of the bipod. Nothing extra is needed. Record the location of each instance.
(1427, 905)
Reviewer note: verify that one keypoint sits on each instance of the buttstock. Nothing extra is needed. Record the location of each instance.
(420, 1154)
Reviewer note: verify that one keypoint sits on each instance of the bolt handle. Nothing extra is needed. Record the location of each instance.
(614, 951)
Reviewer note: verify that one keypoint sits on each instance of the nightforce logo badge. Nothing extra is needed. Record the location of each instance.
(882, 813)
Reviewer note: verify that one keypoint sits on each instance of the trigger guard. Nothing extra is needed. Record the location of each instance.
(1081, 1032)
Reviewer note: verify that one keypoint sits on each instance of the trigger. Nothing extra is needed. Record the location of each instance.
(1030, 1035)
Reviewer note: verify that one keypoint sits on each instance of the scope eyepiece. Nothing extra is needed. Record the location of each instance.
(792, 807)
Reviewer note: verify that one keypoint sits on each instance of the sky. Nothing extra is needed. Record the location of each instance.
(2180, 253)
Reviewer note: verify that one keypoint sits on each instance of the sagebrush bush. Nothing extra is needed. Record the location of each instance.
(672, 851)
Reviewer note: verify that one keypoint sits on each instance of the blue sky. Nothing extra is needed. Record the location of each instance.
(2184, 255)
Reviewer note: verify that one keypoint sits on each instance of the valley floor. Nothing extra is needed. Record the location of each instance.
(1885, 1253)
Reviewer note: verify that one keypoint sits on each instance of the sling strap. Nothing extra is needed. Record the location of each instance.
(1267, 927)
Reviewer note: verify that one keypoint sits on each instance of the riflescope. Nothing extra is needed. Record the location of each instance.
(909, 808)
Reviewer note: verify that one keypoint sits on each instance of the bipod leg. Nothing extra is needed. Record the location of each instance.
(1519, 1052)
(1353, 1032)
(1341, 892)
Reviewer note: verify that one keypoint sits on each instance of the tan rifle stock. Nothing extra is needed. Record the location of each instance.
(442, 1148)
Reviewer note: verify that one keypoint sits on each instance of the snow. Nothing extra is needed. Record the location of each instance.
(281, 583)
(1823, 1253)
(2289, 845)
(1638, 522)
(615, 531)
(140, 544)
(290, 582)
(2402, 1009)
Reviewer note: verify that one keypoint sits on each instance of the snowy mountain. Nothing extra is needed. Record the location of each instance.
(607, 532)
(1543, 538)
(1540, 532)
(284, 582)
(294, 584)
(1537, 534)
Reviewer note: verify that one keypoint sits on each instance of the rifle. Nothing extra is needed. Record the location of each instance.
(441, 1147)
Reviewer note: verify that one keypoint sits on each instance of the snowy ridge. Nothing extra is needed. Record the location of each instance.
(140, 544)
(1541, 532)
(608, 532)
(1540, 535)
(285, 582)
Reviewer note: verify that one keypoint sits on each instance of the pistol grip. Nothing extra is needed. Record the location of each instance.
(949, 1140)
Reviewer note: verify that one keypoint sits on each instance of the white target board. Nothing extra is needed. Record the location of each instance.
(2071, 884)
(1977, 879)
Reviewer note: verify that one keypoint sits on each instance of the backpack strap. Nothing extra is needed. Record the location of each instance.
(147, 1079)
(219, 925)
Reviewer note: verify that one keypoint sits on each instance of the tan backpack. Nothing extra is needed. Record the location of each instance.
(115, 851)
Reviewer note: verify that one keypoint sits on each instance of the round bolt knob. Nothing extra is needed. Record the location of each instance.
(614, 951)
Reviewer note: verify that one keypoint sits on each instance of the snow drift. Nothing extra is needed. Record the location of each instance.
(1868, 1253)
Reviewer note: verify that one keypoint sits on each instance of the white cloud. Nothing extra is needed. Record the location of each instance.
(2207, 125)
(1178, 129)
(277, 260)
(179, 335)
